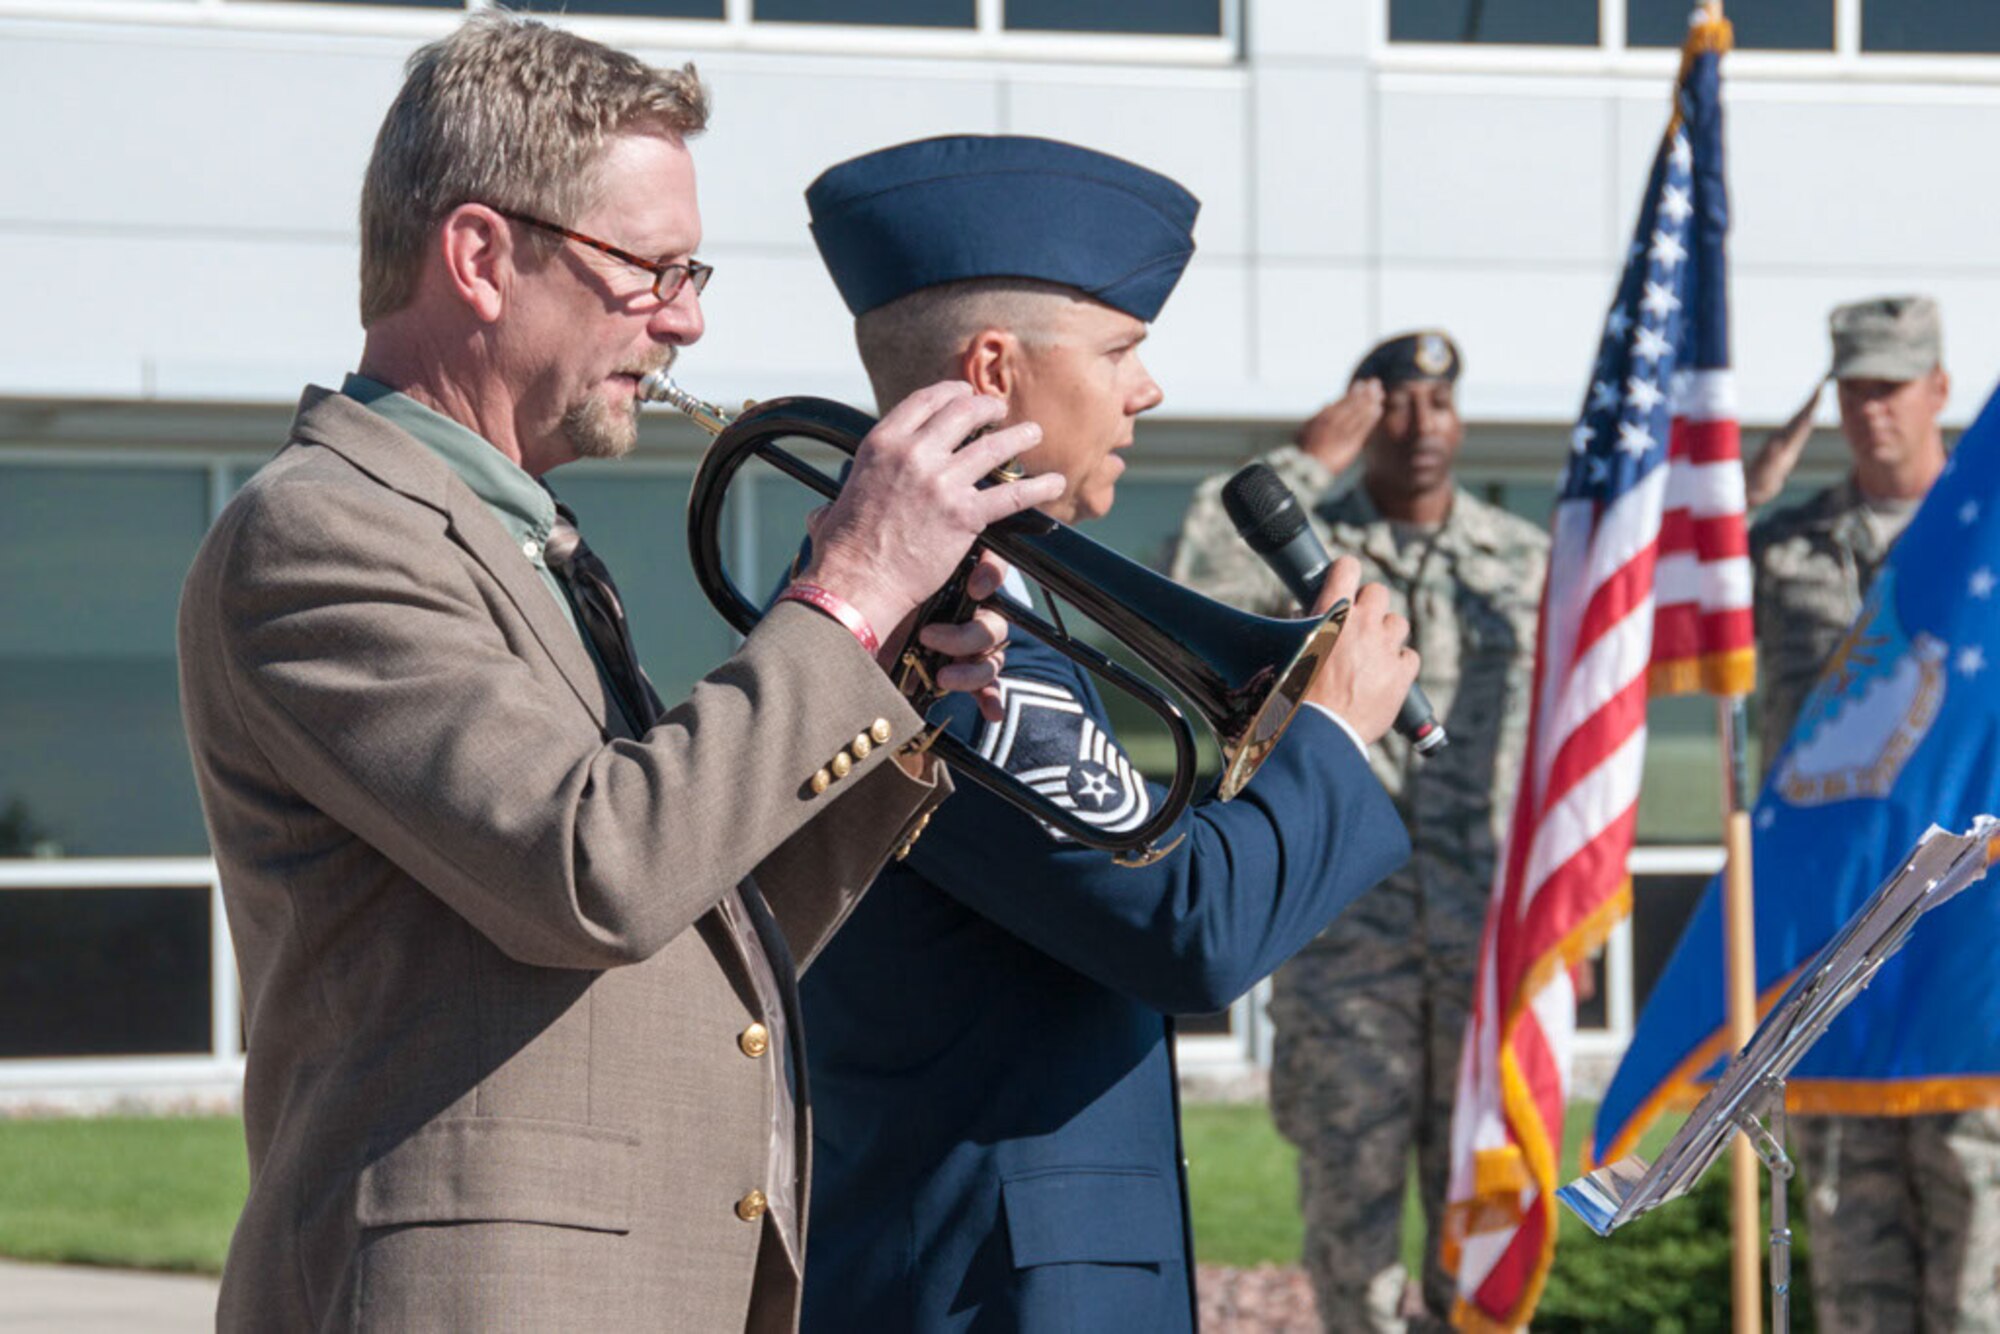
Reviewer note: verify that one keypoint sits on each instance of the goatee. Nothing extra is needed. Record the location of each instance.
(597, 430)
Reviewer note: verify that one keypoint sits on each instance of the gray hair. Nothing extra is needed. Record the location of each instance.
(916, 340)
(509, 112)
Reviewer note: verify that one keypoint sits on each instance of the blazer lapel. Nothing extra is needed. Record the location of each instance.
(404, 464)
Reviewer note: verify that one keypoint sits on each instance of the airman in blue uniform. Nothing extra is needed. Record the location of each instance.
(990, 1035)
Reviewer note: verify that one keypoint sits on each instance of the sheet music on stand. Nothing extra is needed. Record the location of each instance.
(1936, 869)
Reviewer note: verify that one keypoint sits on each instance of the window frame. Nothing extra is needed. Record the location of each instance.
(221, 1066)
(1846, 62)
(737, 30)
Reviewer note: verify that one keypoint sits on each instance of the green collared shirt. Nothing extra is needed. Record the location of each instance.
(522, 505)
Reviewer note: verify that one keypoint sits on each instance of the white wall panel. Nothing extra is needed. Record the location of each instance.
(1191, 126)
(1315, 182)
(236, 319)
(1496, 177)
(1528, 334)
(178, 206)
(1641, 122)
(1199, 348)
(1283, 30)
(1781, 346)
(1778, 338)
(1971, 344)
(1313, 323)
(775, 131)
(217, 133)
(775, 319)
(1878, 183)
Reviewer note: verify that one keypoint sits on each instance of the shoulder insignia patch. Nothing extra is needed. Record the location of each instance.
(1048, 741)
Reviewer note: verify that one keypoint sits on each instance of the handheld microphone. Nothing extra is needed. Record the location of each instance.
(1269, 517)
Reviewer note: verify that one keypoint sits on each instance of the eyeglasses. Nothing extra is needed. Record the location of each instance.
(668, 279)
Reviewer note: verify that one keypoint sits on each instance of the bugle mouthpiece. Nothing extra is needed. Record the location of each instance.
(659, 387)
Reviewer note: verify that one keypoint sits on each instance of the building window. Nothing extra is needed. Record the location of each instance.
(1930, 27)
(1774, 25)
(899, 13)
(1151, 18)
(393, 4)
(1508, 22)
(1677, 802)
(1887, 27)
(104, 972)
(94, 762)
(1173, 18)
(640, 9)
(1662, 903)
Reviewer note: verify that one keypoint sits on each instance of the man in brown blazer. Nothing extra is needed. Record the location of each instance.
(518, 944)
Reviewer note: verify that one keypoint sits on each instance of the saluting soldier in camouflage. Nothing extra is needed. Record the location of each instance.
(1904, 1211)
(1369, 1018)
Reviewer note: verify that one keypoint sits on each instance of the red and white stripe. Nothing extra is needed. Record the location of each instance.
(1660, 576)
(1560, 886)
(1703, 636)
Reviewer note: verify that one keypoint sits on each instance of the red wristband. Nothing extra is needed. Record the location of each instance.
(838, 608)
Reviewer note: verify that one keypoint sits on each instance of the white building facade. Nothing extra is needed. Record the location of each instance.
(178, 250)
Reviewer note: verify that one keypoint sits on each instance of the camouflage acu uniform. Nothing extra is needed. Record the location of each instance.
(1370, 1016)
(1904, 1211)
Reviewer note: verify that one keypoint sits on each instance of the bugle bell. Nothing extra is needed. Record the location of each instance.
(1244, 674)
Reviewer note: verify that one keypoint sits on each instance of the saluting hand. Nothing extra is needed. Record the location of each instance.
(1764, 475)
(1335, 434)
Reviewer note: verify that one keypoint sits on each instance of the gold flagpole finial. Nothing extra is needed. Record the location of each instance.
(1708, 30)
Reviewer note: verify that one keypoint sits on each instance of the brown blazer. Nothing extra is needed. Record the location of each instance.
(495, 1078)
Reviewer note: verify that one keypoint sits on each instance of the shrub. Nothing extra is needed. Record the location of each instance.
(1667, 1273)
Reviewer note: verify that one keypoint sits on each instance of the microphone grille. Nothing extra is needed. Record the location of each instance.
(1262, 507)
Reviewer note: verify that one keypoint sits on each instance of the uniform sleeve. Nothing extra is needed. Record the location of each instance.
(1250, 882)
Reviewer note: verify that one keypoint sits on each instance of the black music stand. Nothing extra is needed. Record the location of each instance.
(1752, 1088)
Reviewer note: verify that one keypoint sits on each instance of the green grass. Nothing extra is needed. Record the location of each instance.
(163, 1193)
(1243, 1178)
(1244, 1185)
(140, 1192)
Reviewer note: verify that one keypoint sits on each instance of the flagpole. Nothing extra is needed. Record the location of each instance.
(1739, 927)
(1709, 30)
(1739, 911)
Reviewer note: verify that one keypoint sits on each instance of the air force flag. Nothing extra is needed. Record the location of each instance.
(1902, 731)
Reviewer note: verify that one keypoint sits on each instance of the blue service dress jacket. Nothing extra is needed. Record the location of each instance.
(996, 1133)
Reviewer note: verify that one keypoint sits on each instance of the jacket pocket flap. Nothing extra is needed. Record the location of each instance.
(503, 1169)
(1101, 1215)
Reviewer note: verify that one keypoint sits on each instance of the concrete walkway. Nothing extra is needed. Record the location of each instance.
(66, 1299)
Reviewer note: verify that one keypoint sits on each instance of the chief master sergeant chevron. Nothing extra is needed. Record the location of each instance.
(997, 1142)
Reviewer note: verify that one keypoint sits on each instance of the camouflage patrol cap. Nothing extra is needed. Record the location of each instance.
(1427, 354)
(1888, 338)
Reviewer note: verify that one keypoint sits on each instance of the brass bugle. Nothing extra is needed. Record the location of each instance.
(1245, 675)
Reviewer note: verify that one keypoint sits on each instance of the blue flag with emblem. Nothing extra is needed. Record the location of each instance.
(1901, 732)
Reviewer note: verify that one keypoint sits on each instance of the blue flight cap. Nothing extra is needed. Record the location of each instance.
(964, 206)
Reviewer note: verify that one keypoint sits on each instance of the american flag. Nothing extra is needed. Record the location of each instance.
(1648, 590)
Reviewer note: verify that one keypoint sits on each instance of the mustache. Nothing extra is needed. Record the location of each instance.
(665, 358)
